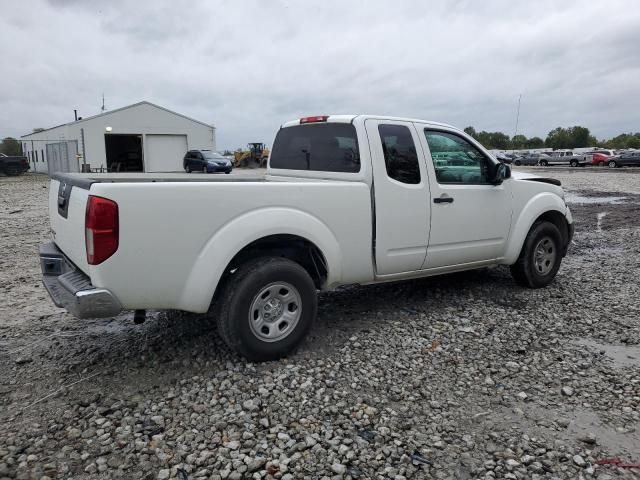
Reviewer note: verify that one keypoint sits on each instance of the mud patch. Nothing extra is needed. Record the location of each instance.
(602, 211)
(620, 355)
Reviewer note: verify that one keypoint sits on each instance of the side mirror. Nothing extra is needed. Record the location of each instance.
(502, 172)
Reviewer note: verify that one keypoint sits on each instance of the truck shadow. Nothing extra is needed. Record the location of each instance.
(170, 341)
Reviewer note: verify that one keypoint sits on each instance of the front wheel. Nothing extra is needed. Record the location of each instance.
(612, 164)
(540, 256)
(573, 163)
(543, 163)
(267, 306)
(188, 169)
(517, 163)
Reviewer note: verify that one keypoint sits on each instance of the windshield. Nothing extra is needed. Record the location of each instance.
(212, 156)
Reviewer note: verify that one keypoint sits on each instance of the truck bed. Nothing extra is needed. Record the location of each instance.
(178, 231)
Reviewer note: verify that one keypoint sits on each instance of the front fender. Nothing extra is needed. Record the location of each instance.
(533, 209)
(245, 229)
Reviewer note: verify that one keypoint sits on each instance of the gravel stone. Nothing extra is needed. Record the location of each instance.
(462, 376)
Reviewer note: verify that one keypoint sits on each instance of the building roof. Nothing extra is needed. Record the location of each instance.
(144, 102)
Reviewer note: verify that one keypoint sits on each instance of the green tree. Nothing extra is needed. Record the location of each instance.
(579, 137)
(10, 146)
(558, 138)
(535, 142)
(519, 142)
(624, 140)
(471, 132)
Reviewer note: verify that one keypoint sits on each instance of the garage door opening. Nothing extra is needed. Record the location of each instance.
(124, 153)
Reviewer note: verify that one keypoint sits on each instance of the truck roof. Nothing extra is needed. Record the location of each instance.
(351, 118)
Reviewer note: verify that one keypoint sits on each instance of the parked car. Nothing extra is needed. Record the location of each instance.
(13, 165)
(256, 249)
(504, 158)
(599, 159)
(627, 159)
(564, 157)
(596, 156)
(206, 161)
(531, 159)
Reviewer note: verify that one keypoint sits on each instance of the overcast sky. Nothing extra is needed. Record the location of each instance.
(247, 66)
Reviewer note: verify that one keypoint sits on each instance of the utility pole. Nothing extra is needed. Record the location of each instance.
(515, 131)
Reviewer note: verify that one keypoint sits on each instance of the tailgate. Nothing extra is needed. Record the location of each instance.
(67, 206)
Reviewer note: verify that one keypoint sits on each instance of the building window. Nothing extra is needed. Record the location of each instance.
(42, 152)
(36, 152)
(29, 156)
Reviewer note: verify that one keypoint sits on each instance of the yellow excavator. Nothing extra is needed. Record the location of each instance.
(255, 156)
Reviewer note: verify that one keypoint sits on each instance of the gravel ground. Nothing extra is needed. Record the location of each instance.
(463, 376)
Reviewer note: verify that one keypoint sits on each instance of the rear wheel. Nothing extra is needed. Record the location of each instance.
(612, 164)
(517, 163)
(266, 308)
(540, 257)
(573, 163)
(188, 169)
(204, 169)
(543, 163)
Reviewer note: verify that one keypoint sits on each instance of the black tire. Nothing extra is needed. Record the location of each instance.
(517, 163)
(543, 163)
(241, 291)
(573, 163)
(526, 271)
(188, 169)
(612, 164)
(228, 172)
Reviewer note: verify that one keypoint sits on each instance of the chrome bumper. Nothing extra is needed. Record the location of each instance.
(71, 289)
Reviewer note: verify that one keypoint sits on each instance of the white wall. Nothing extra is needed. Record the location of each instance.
(141, 119)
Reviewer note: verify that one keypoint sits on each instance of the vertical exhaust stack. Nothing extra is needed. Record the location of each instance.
(75, 114)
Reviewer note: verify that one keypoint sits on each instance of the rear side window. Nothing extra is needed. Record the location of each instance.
(323, 147)
(400, 155)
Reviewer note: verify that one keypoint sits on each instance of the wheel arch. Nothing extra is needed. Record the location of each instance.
(544, 206)
(285, 232)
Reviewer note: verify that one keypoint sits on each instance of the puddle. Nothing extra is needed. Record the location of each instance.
(583, 200)
(620, 355)
(600, 216)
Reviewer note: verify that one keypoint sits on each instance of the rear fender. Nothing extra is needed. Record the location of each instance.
(240, 232)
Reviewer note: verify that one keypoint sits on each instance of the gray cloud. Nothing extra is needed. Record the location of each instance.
(248, 66)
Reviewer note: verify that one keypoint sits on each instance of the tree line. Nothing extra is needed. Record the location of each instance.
(571, 137)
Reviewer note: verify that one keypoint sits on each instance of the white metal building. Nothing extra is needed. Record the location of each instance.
(142, 137)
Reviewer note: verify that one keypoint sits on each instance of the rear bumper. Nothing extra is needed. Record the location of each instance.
(224, 169)
(71, 289)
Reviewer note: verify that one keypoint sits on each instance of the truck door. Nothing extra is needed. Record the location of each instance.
(471, 217)
(401, 193)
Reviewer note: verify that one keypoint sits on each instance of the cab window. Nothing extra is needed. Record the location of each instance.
(455, 160)
(400, 157)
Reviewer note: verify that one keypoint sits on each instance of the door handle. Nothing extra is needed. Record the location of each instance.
(443, 200)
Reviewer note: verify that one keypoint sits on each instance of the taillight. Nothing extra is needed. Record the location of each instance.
(316, 119)
(101, 229)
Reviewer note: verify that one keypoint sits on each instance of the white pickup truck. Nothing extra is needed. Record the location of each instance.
(346, 200)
